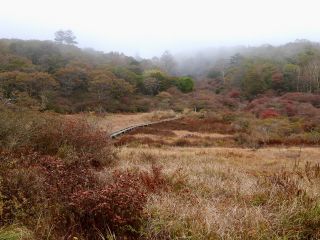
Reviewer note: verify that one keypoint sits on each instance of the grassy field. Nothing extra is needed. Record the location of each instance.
(232, 193)
(114, 122)
(64, 178)
(225, 192)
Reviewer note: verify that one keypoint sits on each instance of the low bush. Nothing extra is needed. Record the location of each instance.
(154, 181)
(275, 131)
(181, 142)
(23, 195)
(39, 190)
(45, 159)
(195, 124)
(160, 115)
(36, 189)
(118, 206)
(234, 94)
(76, 135)
(15, 128)
(313, 99)
(291, 105)
(269, 113)
(72, 138)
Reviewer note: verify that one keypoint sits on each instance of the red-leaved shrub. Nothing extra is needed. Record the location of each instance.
(313, 99)
(154, 181)
(74, 135)
(234, 94)
(269, 113)
(31, 182)
(118, 206)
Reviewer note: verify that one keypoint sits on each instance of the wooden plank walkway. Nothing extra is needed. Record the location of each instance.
(130, 128)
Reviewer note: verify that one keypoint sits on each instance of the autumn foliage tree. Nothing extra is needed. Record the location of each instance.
(72, 79)
(106, 85)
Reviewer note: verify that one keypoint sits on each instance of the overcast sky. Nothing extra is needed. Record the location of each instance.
(148, 27)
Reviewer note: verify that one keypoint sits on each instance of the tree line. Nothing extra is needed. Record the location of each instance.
(293, 67)
(57, 75)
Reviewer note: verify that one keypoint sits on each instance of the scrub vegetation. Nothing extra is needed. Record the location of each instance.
(240, 160)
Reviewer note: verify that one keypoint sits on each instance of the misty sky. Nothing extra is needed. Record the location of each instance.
(148, 27)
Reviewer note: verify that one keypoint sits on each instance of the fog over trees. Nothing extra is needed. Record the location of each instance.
(162, 119)
(290, 67)
(59, 75)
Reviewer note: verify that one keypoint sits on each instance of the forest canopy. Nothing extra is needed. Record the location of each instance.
(59, 76)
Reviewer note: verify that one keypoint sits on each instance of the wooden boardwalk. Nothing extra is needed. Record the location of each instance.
(130, 128)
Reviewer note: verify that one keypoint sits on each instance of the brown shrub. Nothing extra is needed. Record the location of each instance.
(312, 125)
(41, 190)
(181, 142)
(36, 184)
(118, 206)
(278, 131)
(33, 185)
(125, 140)
(293, 104)
(308, 110)
(208, 124)
(154, 181)
(178, 180)
(15, 128)
(314, 99)
(23, 197)
(234, 94)
(269, 113)
(77, 135)
(74, 139)
(231, 102)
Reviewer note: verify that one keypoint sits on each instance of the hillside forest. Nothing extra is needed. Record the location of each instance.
(58, 76)
(237, 156)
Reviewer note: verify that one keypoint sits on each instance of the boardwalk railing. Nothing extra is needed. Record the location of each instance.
(130, 128)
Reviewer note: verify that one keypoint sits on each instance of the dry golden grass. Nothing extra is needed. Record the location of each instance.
(223, 192)
(116, 121)
(119, 121)
(228, 193)
(183, 138)
(185, 134)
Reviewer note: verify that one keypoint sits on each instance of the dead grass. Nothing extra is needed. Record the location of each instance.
(221, 191)
(119, 121)
(153, 131)
(116, 121)
(186, 134)
(196, 124)
(152, 136)
(231, 193)
(160, 115)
